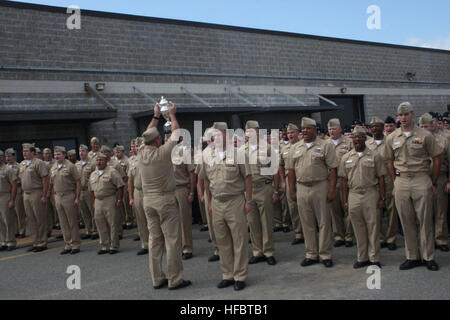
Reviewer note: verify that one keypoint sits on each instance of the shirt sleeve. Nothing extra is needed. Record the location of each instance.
(432, 146)
(166, 149)
(379, 163)
(42, 169)
(202, 172)
(388, 152)
(116, 178)
(290, 159)
(342, 172)
(12, 176)
(75, 173)
(331, 159)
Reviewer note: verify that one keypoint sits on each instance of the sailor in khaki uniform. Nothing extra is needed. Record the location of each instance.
(136, 196)
(342, 227)
(19, 209)
(361, 171)
(440, 200)
(260, 218)
(52, 216)
(72, 156)
(293, 136)
(8, 193)
(124, 162)
(281, 208)
(229, 176)
(106, 186)
(312, 165)
(95, 149)
(66, 185)
(85, 168)
(34, 178)
(378, 143)
(160, 204)
(409, 149)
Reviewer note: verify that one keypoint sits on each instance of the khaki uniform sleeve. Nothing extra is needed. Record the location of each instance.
(388, 152)
(43, 169)
(202, 172)
(331, 159)
(342, 171)
(116, 179)
(432, 146)
(379, 164)
(75, 173)
(290, 160)
(12, 176)
(166, 149)
(245, 170)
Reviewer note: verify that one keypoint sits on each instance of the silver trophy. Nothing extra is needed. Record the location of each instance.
(164, 105)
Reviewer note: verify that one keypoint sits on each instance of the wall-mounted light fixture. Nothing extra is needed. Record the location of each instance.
(344, 90)
(100, 86)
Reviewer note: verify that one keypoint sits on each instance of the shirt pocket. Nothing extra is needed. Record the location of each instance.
(231, 172)
(416, 149)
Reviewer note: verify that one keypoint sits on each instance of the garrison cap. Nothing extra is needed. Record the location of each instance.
(10, 152)
(47, 150)
(60, 149)
(37, 150)
(71, 152)
(139, 141)
(104, 148)
(150, 134)
(292, 126)
(83, 147)
(359, 130)
(376, 120)
(308, 122)
(404, 107)
(426, 119)
(120, 148)
(222, 126)
(95, 140)
(252, 124)
(101, 155)
(334, 123)
(27, 146)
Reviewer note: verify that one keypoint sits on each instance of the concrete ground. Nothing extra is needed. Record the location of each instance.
(126, 275)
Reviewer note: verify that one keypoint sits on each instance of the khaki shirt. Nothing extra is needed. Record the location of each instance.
(262, 158)
(443, 142)
(16, 167)
(284, 154)
(31, 174)
(134, 172)
(125, 163)
(7, 177)
(50, 163)
(343, 146)
(182, 171)
(116, 165)
(92, 155)
(156, 168)
(312, 164)
(413, 153)
(105, 184)
(64, 178)
(362, 172)
(226, 178)
(85, 168)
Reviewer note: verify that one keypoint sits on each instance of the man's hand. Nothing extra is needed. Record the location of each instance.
(118, 203)
(293, 196)
(210, 211)
(77, 202)
(201, 197)
(172, 109)
(283, 186)
(393, 192)
(44, 199)
(11, 204)
(434, 190)
(248, 207)
(381, 204)
(275, 198)
(132, 202)
(346, 207)
(157, 110)
(190, 197)
(331, 195)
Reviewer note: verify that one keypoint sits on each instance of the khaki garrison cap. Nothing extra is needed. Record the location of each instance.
(139, 141)
(10, 152)
(252, 124)
(71, 152)
(83, 147)
(359, 129)
(308, 122)
(101, 155)
(37, 150)
(404, 107)
(60, 149)
(334, 123)
(104, 148)
(27, 146)
(47, 150)
(426, 119)
(292, 126)
(95, 140)
(376, 120)
(222, 126)
(150, 134)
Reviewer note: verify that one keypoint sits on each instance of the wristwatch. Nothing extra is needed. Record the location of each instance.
(276, 192)
(384, 199)
(157, 118)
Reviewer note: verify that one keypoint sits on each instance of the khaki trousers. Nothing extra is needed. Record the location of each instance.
(50, 208)
(140, 217)
(164, 231)
(182, 193)
(389, 235)
(260, 221)
(230, 226)
(314, 210)
(7, 222)
(342, 226)
(366, 220)
(19, 209)
(209, 219)
(87, 212)
(440, 206)
(201, 205)
(108, 221)
(129, 218)
(281, 210)
(36, 216)
(295, 216)
(68, 219)
(414, 202)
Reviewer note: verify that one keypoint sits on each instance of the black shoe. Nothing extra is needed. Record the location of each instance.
(271, 261)
(376, 264)
(75, 251)
(186, 256)
(85, 236)
(328, 263)
(162, 285)
(297, 241)
(443, 248)
(120, 237)
(124, 226)
(65, 251)
(409, 264)
(16, 235)
(103, 251)
(348, 244)
(359, 265)
(59, 237)
(257, 259)
(22, 236)
(32, 249)
(209, 240)
(339, 243)
(57, 227)
(49, 234)
(142, 252)
(225, 283)
(137, 238)
(81, 226)
(213, 258)
(94, 237)
(277, 229)
(286, 229)
(183, 284)
(308, 262)
(11, 248)
(3, 248)
(204, 229)
(383, 245)
(392, 246)
(239, 285)
(40, 249)
(432, 265)
(113, 251)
